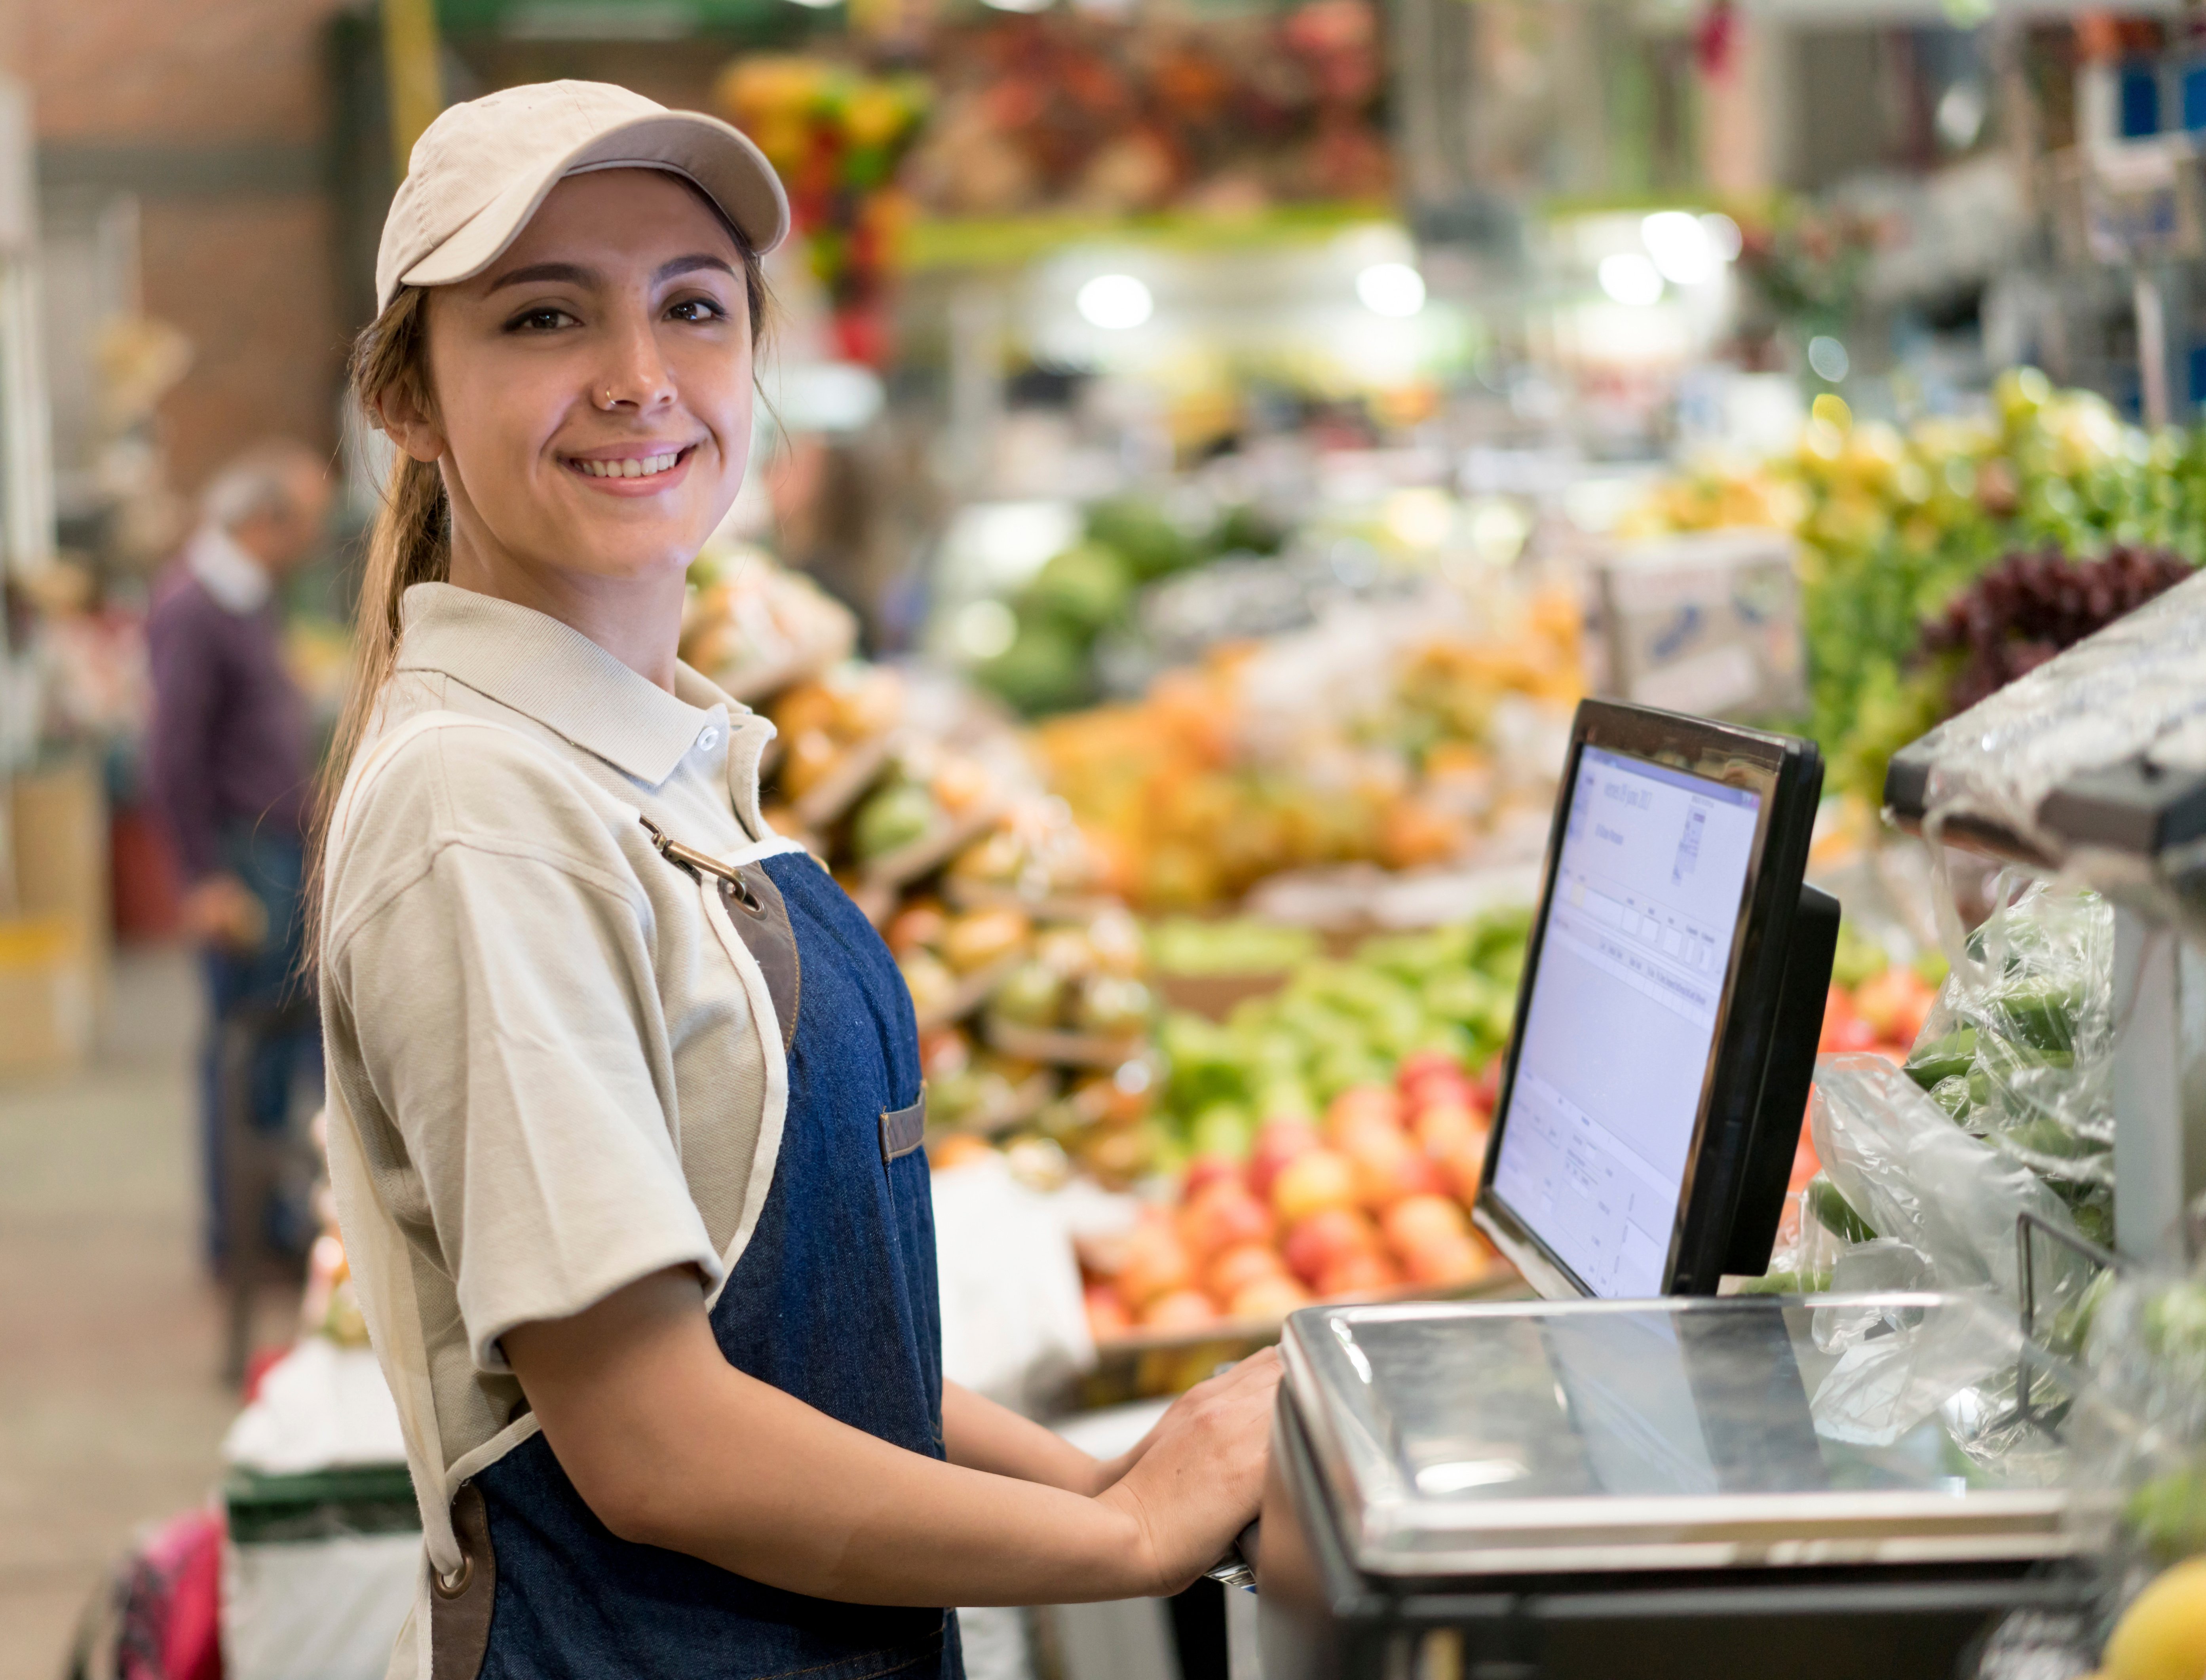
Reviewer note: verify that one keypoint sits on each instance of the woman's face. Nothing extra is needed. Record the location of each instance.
(593, 386)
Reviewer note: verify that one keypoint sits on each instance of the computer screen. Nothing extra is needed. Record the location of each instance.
(1648, 886)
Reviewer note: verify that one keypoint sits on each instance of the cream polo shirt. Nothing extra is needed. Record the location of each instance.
(555, 1074)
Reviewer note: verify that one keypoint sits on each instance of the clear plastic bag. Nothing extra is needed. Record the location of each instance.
(2018, 1050)
(1896, 1163)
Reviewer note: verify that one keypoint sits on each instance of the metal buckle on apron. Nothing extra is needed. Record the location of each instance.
(696, 862)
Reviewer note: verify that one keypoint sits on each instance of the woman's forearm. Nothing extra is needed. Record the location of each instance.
(817, 1507)
(982, 1435)
(672, 1446)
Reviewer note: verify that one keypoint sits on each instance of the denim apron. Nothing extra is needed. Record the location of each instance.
(833, 1300)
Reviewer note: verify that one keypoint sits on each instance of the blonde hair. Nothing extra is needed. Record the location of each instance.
(411, 541)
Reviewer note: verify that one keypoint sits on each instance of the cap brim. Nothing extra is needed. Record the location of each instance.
(719, 158)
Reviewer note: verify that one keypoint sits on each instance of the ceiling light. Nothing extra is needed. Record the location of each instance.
(1631, 279)
(1115, 302)
(1393, 289)
(1680, 246)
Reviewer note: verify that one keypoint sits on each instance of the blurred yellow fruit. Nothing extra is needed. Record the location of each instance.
(2162, 1635)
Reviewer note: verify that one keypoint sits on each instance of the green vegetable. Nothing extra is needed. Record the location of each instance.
(1084, 588)
(1949, 1057)
(1031, 995)
(1834, 1213)
(1857, 959)
(2042, 1016)
(895, 817)
(2169, 1513)
(1223, 1129)
(2175, 1322)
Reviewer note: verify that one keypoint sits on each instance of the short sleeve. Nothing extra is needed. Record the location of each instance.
(507, 1022)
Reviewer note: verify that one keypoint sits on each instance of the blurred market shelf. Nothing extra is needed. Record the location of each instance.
(1009, 242)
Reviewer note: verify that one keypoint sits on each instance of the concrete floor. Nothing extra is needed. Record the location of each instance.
(111, 1401)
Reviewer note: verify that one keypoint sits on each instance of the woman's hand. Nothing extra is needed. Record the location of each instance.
(1197, 1478)
(672, 1446)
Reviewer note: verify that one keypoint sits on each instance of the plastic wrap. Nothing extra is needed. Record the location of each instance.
(1909, 1176)
(2122, 692)
(2018, 1051)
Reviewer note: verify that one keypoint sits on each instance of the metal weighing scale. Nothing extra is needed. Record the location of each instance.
(1633, 1478)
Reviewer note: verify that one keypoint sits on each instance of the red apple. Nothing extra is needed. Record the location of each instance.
(1358, 1107)
(1420, 1064)
(1443, 1128)
(1486, 1089)
(1438, 1093)
(1279, 1142)
(1838, 1010)
(1316, 1179)
(1459, 1260)
(1204, 1171)
(1419, 1221)
(1107, 1318)
(1268, 1298)
(1357, 1274)
(1327, 1237)
(1220, 1215)
(1234, 1269)
(1155, 1264)
(1182, 1309)
(1388, 1167)
(1464, 1168)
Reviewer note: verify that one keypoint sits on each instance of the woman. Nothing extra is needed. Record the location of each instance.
(625, 1095)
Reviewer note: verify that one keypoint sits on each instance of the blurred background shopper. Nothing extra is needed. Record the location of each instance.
(231, 758)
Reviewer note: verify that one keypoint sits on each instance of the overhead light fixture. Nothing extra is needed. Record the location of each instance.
(1723, 236)
(1631, 279)
(1393, 290)
(1681, 246)
(1115, 302)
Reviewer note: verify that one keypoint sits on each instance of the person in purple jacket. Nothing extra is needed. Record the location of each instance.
(230, 761)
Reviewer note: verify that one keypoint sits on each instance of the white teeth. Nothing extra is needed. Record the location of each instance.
(633, 467)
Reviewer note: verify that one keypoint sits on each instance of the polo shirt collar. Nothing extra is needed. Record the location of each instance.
(553, 673)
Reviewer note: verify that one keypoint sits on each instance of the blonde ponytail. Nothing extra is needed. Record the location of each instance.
(410, 543)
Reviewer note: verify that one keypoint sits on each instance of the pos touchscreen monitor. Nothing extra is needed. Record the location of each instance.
(1667, 1017)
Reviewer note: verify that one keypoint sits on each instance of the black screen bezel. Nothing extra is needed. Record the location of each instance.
(1786, 774)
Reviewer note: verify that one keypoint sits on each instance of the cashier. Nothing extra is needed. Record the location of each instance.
(625, 1098)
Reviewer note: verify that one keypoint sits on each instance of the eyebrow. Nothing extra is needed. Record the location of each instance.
(575, 275)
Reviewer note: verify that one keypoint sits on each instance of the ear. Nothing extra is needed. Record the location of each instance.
(408, 423)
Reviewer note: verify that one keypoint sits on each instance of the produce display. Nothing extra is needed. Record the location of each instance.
(1894, 525)
(2030, 606)
(1110, 113)
(836, 135)
(1090, 589)
(1373, 1200)
(2016, 1050)
(1421, 734)
(754, 626)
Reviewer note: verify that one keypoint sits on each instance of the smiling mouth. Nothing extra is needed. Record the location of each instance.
(632, 467)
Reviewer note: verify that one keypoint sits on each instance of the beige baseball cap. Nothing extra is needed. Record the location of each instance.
(479, 172)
